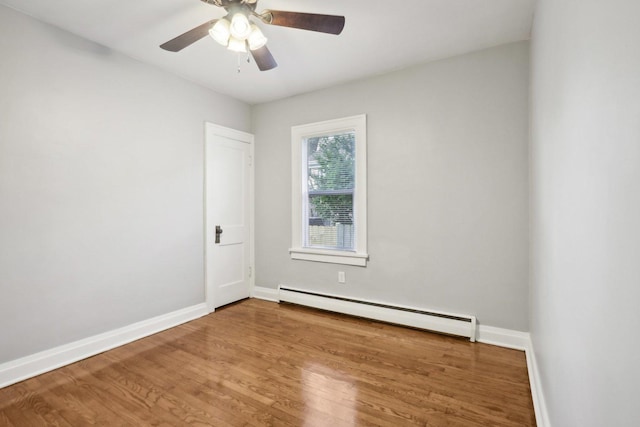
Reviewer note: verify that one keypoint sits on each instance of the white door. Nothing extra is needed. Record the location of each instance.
(228, 187)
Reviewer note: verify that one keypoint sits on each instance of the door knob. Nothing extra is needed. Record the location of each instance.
(218, 233)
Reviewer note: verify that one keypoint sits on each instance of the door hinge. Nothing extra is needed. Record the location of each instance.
(250, 160)
(250, 271)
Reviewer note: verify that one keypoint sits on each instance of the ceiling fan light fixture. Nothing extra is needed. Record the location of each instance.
(256, 39)
(239, 34)
(221, 32)
(240, 26)
(237, 45)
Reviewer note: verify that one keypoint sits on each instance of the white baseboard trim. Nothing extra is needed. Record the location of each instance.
(30, 366)
(267, 294)
(503, 337)
(539, 402)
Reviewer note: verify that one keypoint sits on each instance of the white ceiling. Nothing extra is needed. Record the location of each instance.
(378, 37)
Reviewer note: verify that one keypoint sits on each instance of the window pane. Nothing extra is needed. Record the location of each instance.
(331, 162)
(330, 186)
(331, 221)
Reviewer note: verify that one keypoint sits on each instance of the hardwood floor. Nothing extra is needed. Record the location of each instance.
(257, 363)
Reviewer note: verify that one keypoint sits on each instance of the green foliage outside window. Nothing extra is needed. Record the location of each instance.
(331, 177)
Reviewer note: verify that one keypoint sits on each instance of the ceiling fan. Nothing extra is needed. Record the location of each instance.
(239, 34)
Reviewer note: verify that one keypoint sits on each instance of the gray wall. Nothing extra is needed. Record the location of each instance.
(101, 174)
(448, 186)
(585, 152)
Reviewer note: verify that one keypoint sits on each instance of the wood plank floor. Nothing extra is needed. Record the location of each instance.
(257, 363)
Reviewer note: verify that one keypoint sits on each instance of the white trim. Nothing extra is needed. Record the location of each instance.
(298, 134)
(267, 294)
(334, 257)
(211, 129)
(539, 402)
(503, 337)
(29, 366)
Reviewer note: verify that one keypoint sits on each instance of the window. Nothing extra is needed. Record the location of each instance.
(329, 173)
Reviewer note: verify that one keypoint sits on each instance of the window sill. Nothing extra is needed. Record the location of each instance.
(333, 257)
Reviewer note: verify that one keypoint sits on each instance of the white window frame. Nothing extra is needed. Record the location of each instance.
(359, 255)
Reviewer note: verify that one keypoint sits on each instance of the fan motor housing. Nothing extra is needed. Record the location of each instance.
(249, 4)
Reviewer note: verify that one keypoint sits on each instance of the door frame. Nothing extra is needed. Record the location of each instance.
(210, 130)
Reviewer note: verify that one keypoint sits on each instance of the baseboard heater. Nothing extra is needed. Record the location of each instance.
(446, 323)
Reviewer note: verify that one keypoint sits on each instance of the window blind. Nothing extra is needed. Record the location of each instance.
(330, 186)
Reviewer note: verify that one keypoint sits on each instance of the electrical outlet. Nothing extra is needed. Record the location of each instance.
(341, 277)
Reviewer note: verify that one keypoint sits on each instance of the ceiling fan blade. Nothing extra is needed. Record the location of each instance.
(330, 24)
(188, 38)
(264, 59)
